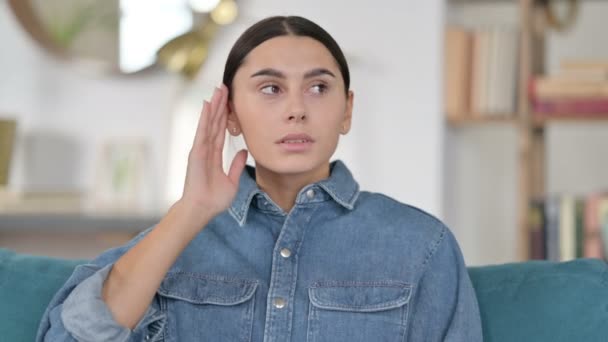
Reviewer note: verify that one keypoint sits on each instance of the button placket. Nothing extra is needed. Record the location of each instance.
(283, 281)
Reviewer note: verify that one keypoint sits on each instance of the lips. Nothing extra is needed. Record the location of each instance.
(295, 139)
(295, 143)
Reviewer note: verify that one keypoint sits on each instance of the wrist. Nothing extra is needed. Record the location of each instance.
(191, 214)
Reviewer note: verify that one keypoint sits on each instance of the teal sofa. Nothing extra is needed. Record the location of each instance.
(532, 301)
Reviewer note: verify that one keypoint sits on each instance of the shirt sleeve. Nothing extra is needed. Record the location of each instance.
(444, 307)
(77, 312)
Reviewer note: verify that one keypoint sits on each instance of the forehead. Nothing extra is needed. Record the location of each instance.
(290, 54)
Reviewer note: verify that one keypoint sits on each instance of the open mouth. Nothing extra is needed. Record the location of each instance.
(295, 142)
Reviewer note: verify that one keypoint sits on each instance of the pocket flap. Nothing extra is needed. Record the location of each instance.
(207, 289)
(359, 296)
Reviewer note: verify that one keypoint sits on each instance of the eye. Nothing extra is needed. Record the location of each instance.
(270, 89)
(319, 88)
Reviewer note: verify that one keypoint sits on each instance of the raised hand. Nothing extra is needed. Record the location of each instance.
(208, 188)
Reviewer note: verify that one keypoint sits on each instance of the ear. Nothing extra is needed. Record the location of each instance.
(348, 113)
(232, 119)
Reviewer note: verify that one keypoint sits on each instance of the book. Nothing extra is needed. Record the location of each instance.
(597, 75)
(510, 70)
(602, 217)
(479, 72)
(582, 64)
(579, 219)
(552, 210)
(457, 71)
(591, 106)
(546, 87)
(494, 60)
(536, 224)
(502, 81)
(593, 247)
(567, 228)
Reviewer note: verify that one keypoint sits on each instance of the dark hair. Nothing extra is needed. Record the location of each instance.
(276, 26)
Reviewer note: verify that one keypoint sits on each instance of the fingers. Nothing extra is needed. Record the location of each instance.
(219, 114)
(209, 120)
(203, 123)
(219, 127)
(213, 111)
(237, 166)
(218, 144)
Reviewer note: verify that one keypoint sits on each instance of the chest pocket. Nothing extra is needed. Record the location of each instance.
(357, 311)
(201, 307)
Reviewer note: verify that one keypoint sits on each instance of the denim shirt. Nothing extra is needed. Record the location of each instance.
(343, 265)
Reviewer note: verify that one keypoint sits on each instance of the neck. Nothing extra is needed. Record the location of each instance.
(284, 188)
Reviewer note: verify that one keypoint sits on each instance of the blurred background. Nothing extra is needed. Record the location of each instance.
(491, 115)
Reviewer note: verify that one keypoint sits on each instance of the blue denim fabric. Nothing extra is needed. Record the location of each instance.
(343, 266)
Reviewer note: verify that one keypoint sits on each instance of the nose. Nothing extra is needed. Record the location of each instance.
(296, 110)
(300, 116)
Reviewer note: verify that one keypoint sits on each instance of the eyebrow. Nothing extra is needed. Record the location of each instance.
(276, 73)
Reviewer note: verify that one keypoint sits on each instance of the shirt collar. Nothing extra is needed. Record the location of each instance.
(340, 186)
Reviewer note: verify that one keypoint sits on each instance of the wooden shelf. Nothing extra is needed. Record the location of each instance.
(482, 119)
(499, 1)
(480, 1)
(539, 120)
(75, 222)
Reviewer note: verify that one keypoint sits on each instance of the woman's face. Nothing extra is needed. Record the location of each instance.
(290, 85)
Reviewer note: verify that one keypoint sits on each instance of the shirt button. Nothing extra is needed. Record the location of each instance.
(279, 303)
(310, 193)
(285, 253)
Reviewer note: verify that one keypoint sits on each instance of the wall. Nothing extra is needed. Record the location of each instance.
(58, 106)
(395, 145)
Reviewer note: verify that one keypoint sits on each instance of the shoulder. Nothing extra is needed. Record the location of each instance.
(388, 209)
(421, 228)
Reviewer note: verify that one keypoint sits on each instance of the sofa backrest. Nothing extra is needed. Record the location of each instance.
(531, 301)
(27, 285)
(543, 301)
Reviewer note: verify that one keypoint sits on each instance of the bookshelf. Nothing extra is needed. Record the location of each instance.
(530, 126)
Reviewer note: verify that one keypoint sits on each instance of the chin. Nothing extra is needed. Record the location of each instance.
(291, 164)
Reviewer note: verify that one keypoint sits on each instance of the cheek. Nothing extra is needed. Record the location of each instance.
(256, 123)
(260, 117)
(330, 112)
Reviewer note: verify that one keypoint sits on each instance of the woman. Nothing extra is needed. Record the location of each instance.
(290, 250)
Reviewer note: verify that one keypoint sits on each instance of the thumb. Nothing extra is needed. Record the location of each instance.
(237, 166)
